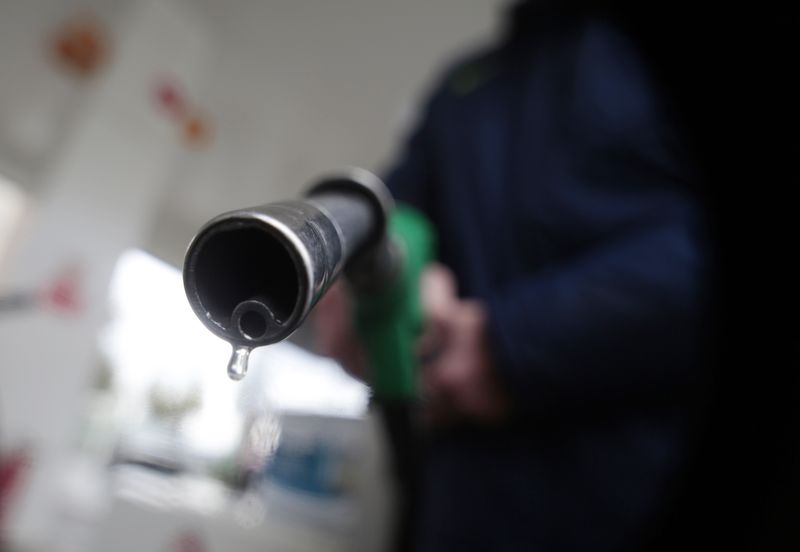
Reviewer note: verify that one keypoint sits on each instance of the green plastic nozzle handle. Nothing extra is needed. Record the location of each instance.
(389, 322)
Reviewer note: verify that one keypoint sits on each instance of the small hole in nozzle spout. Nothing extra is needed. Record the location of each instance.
(253, 325)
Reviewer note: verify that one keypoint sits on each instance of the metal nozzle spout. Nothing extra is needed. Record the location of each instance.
(253, 275)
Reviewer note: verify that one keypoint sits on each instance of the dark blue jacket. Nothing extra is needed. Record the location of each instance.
(563, 198)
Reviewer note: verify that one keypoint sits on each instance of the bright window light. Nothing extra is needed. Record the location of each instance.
(12, 205)
(154, 338)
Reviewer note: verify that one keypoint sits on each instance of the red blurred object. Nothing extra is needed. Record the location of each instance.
(171, 98)
(82, 45)
(63, 293)
(189, 542)
(196, 130)
(194, 126)
(12, 469)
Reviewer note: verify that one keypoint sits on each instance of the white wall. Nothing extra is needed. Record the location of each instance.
(300, 87)
(37, 99)
(297, 87)
(294, 88)
(96, 193)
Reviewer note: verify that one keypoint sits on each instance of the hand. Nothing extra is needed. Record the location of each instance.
(332, 322)
(458, 380)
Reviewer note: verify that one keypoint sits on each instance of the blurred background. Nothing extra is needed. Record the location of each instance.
(124, 126)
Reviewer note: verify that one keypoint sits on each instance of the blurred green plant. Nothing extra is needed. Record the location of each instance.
(172, 406)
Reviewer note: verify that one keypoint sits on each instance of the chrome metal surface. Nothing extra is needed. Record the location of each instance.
(253, 275)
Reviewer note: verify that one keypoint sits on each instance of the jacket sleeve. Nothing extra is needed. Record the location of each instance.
(624, 318)
(620, 322)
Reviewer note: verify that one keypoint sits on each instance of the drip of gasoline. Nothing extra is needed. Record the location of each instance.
(237, 366)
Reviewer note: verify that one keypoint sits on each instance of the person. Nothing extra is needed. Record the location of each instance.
(564, 369)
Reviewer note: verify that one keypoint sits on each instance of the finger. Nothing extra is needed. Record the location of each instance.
(334, 334)
(333, 308)
(439, 391)
(431, 343)
(465, 374)
(330, 320)
(438, 291)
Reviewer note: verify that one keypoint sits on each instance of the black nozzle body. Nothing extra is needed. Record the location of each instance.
(253, 275)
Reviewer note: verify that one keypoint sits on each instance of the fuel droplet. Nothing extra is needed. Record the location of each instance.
(237, 367)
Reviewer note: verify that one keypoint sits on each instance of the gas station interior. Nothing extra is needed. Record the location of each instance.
(125, 125)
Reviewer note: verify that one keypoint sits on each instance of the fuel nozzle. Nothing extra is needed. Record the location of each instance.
(252, 275)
